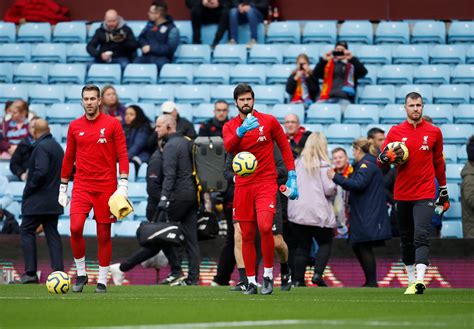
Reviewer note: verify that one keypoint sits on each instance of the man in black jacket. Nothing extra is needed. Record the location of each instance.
(113, 42)
(39, 203)
(213, 126)
(209, 12)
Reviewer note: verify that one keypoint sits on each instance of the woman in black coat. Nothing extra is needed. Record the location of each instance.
(368, 217)
(302, 86)
(137, 129)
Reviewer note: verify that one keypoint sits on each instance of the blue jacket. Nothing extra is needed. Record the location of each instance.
(163, 39)
(368, 215)
(137, 142)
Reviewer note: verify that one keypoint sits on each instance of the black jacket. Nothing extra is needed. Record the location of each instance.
(20, 159)
(212, 127)
(154, 176)
(40, 196)
(312, 82)
(178, 180)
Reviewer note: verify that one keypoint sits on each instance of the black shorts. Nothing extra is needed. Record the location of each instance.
(277, 227)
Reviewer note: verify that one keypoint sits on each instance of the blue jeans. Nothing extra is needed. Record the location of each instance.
(253, 17)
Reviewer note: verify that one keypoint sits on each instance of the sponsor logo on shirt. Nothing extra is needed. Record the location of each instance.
(102, 138)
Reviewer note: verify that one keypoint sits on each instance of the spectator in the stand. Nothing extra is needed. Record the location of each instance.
(301, 84)
(339, 69)
(21, 157)
(297, 135)
(247, 11)
(213, 126)
(467, 191)
(137, 130)
(369, 223)
(160, 37)
(4, 145)
(16, 128)
(209, 12)
(111, 104)
(377, 136)
(341, 165)
(312, 215)
(113, 42)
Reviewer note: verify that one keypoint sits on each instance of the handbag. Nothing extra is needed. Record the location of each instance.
(208, 226)
(159, 234)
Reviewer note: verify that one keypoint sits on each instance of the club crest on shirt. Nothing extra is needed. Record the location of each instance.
(425, 146)
(102, 138)
(261, 137)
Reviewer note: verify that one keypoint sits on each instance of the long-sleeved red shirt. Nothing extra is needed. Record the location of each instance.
(95, 146)
(259, 142)
(416, 177)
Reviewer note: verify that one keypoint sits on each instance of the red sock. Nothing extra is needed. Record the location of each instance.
(265, 223)
(105, 243)
(78, 243)
(249, 254)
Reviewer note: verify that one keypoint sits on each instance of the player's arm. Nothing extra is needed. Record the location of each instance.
(67, 167)
(358, 181)
(231, 140)
(442, 202)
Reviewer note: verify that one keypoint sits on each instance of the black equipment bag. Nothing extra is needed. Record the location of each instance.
(160, 234)
(209, 160)
(208, 227)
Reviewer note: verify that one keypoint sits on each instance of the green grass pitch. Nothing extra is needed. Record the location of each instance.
(30, 306)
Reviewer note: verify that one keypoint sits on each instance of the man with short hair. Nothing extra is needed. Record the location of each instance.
(377, 135)
(297, 135)
(213, 126)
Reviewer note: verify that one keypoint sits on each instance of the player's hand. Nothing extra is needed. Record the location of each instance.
(250, 123)
(442, 203)
(394, 155)
(63, 198)
(122, 188)
(163, 204)
(293, 185)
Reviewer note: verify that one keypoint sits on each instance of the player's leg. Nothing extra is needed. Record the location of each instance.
(265, 222)
(406, 227)
(78, 246)
(323, 236)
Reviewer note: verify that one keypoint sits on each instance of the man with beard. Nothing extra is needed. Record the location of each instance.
(213, 126)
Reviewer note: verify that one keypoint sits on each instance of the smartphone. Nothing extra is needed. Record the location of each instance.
(337, 53)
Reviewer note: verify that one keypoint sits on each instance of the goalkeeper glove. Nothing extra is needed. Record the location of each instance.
(250, 123)
(442, 203)
(122, 188)
(292, 185)
(63, 199)
(394, 155)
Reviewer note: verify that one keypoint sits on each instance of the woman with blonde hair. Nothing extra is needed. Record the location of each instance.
(301, 84)
(312, 215)
(368, 217)
(111, 104)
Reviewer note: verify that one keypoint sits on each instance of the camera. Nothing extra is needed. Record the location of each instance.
(337, 53)
(301, 66)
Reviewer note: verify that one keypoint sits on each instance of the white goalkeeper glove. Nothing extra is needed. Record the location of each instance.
(122, 188)
(63, 199)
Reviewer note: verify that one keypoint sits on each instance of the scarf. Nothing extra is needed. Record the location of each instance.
(301, 93)
(348, 86)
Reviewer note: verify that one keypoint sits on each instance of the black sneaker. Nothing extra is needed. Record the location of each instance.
(240, 286)
(251, 289)
(172, 278)
(298, 284)
(101, 288)
(81, 281)
(267, 287)
(25, 279)
(318, 280)
(185, 282)
(285, 282)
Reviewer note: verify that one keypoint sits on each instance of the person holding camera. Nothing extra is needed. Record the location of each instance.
(302, 84)
(339, 69)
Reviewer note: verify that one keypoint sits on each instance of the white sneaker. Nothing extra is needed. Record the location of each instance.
(117, 275)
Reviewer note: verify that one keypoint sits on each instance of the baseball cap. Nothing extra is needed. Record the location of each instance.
(168, 107)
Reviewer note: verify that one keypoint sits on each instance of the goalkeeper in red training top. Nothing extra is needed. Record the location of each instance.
(94, 143)
(415, 186)
(255, 195)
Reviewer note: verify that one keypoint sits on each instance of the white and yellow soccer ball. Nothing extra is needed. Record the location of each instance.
(244, 164)
(58, 283)
(406, 154)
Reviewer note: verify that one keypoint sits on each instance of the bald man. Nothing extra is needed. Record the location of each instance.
(39, 203)
(113, 41)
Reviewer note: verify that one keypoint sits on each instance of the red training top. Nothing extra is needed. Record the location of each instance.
(94, 146)
(416, 177)
(259, 142)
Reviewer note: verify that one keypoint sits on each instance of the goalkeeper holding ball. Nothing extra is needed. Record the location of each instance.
(255, 195)
(415, 186)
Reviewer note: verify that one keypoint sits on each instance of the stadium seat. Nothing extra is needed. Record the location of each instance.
(49, 52)
(471, 92)
(193, 54)
(431, 74)
(342, 133)
(126, 228)
(280, 111)
(4, 170)
(452, 229)
(269, 94)
(176, 73)
(149, 109)
(313, 127)
(370, 78)
(230, 54)
(203, 112)
(463, 73)
(211, 74)
(34, 32)
(248, 73)
(90, 228)
(440, 113)
(224, 92)
(185, 111)
(361, 114)
(244, 34)
(140, 73)
(392, 32)
(266, 54)
(357, 32)
(428, 32)
(208, 33)
(323, 113)
(454, 192)
(11, 92)
(375, 54)
(464, 113)
(63, 113)
(139, 211)
(450, 153)
(73, 94)
(70, 32)
(461, 31)
(7, 32)
(31, 73)
(64, 225)
(6, 72)
(67, 73)
(92, 28)
(16, 189)
(451, 94)
(137, 27)
(46, 94)
(104, 73)
(128, 93)
(279, 73)
(155, 94)
(15, 209)
(462, 154)
(470, 55)
(185, 31)
(291, 52)
(64, 129)
(410, 54)
(38, 109)
(456, 133)
(447, 54)
(395, 74)
(320, 32)
(283, 32)
(77, 53)
(454, 211)
(193, 94)
(392, 114)
(137, 192)
(426, 91)
(15, 52)
(375, 94)
(141, 175)
(453, 172)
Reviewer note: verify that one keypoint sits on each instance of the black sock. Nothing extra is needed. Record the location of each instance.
(31, 273)
(242, 275)
(284, 268)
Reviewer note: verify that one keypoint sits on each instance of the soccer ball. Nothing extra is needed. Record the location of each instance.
(392, 145)
(244, 164)
(58, 283)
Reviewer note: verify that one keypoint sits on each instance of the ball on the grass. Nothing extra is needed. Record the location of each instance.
(244, 164)
(392, 145)
(58, 283)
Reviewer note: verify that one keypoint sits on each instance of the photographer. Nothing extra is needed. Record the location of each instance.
(339, 70)
(301, 84)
